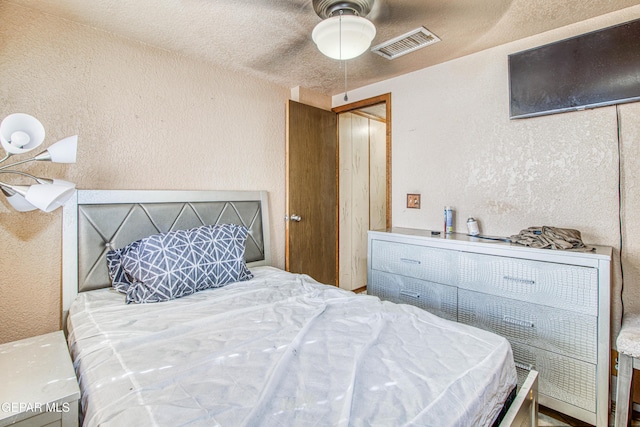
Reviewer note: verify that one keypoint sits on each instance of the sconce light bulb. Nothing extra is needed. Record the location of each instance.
(20, 139)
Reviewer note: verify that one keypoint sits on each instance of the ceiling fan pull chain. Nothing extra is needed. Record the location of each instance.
(346, 98)
(340, 35)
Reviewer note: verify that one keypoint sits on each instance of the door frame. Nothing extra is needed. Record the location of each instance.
(367, 103)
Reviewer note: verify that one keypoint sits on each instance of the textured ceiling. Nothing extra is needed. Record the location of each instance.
(271, 39)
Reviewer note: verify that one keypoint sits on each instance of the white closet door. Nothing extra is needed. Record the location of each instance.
(354, 200)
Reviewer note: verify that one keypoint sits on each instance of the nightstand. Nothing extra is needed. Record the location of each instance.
(39, 385)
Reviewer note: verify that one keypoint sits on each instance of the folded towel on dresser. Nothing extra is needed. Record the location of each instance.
(546, 237)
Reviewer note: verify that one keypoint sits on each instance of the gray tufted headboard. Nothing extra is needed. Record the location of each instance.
(95, 221)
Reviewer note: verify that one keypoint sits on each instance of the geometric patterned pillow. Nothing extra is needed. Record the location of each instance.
(179, 263)
(119, 279)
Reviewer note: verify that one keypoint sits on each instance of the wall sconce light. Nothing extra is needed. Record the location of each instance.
(19, 134)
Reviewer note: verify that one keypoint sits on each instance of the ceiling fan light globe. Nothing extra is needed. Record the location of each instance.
(354, 32)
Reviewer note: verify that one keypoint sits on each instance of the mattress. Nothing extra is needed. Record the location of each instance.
(282, 350)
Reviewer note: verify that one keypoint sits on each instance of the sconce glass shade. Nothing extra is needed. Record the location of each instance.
(356, 37)
(20, 133)
(46, 197)
(17, 201)
(20, 204)
(63, 183)
(63, 151)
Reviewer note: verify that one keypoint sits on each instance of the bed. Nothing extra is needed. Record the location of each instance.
(274, 349)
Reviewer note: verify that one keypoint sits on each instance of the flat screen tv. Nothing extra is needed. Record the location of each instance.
(592, 70)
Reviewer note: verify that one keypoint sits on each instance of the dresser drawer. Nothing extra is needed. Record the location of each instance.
(435, 298)
(568, 287)
(569, 380)
(548, 328)
(432, 264)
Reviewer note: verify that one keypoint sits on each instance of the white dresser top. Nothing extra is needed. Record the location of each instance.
(458, 241)
(35, 371)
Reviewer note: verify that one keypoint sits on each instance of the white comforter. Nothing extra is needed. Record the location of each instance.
(282, 350)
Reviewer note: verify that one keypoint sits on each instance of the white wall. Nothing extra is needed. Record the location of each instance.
(453, 142)
(146, 119)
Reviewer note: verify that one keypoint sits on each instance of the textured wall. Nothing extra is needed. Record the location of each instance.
(146, 119)
(453, 142)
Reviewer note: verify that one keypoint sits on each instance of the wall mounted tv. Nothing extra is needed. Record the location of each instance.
(592, 70)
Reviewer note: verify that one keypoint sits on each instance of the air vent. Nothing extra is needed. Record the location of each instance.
(406, 43)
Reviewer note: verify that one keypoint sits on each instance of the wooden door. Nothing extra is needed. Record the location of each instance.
(311, 192)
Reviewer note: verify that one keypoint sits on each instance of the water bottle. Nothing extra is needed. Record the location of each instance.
(448, 219)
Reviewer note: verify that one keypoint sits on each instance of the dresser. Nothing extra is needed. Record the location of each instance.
(552, 306)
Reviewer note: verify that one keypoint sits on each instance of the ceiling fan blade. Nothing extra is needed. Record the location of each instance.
(385, 11)
(468, 15)
(288, 6)
(283, 56)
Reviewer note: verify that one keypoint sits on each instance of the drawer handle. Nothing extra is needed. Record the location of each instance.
(410, 294)
(518, 322)
(525, 366)
(410, 261)
(516, 279)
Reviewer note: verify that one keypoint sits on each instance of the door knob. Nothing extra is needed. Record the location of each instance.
(296, 218)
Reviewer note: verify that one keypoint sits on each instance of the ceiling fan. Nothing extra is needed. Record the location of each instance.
(344, 32)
